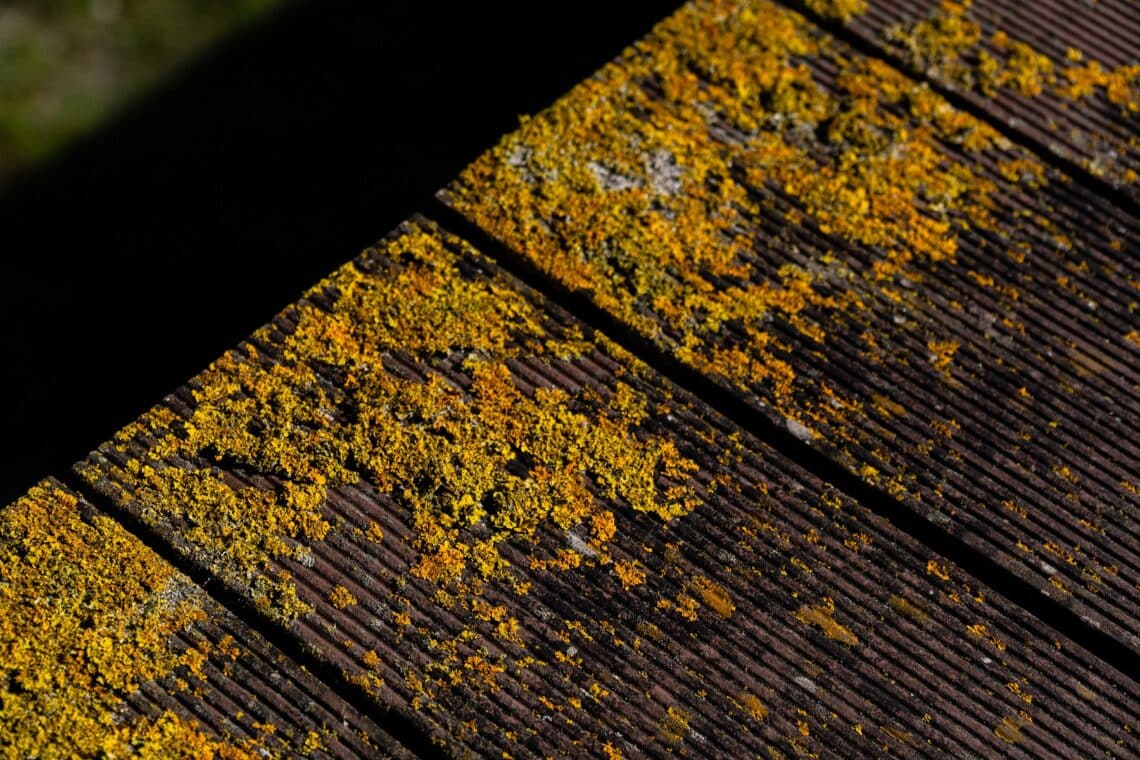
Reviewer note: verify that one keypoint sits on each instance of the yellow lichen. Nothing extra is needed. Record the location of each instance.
(938, 44)
(842, 10)
(629, 574)
(822, 616)
(1120, 86)
(938, 570)
(484, 671)
(675, 725)
(1009, 730)
(981, 631)
(944, 43)
(375, 533)
(949, 46)
(489, 455)
(341, 597)
(907, 608)
(942, 353)
(647, 184)
(752, 705)
(714, 596)
(87, 615)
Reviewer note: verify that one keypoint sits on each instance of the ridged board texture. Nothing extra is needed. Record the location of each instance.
(885, 277)
(107, 651)
(500, 524)
(1063, 73)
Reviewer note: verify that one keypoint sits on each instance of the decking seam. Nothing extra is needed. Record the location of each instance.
(1038, 148)
(400, 728)
(1015, 590)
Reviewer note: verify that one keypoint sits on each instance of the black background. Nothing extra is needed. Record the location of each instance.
(145, 250)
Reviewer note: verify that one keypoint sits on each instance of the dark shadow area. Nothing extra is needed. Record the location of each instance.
(147, 249)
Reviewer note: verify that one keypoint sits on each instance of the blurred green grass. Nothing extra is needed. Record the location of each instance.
(67, 64)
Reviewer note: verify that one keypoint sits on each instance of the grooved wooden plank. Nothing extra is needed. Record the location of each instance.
(503, 526)
(107, 650)
(881, 275)
(1064, 73)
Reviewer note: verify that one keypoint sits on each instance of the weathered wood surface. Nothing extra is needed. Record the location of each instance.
(874, 491)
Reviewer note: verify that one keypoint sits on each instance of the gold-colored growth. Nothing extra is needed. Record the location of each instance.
(950, 45)
(822, 616)
(86, 617)
(490, 455)
(648, 187)
(640, 180)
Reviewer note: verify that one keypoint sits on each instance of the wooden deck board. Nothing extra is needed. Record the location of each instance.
(1063, 74)
(106, 648)
(524, 540)
(873, 493)
(937, 310)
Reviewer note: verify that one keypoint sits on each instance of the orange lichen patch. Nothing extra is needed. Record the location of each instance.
(938, 570)
(340, 597)
(937, 44)
(887, 406)
(685, 605)
(842, 10)
(714, 596)
(484, 672)
(945, 42)
(629, 574)
(1121, 86)
(907, 608)
(675, 725)
(1020, 170)
(86, 617)
(489, 456)
(1009, 730)
(752, 705)
(981, 631)
(1016, 688)
(949, 45)
(942, 353)
(375, 533)
(822, 617)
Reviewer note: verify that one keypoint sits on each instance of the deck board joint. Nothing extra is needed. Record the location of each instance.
(1014, 589)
